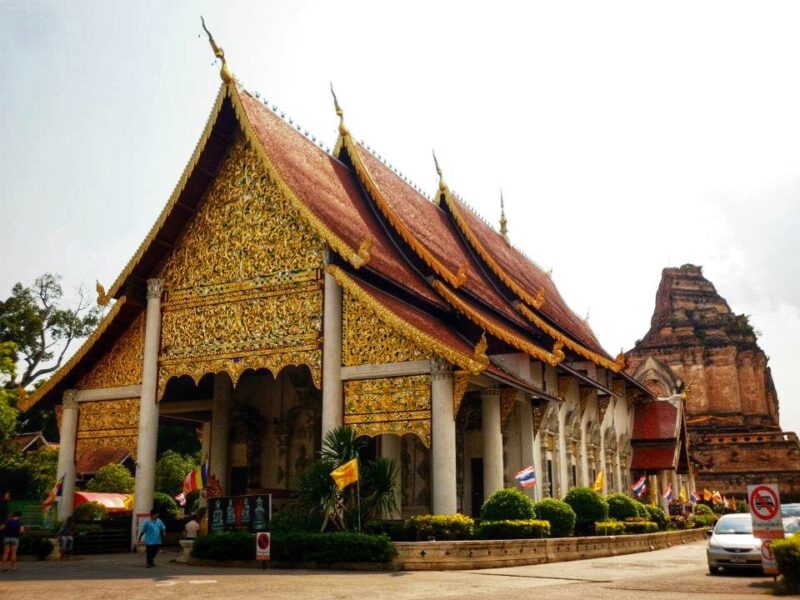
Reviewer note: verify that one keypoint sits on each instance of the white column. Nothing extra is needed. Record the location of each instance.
(662, 485)
(332, 400)
(148, 405)
(390, 448)
(492, 442)
(221, 405)
(526, 440)
(538, 464)
(443, 452)
(563, 463)
(692, 483)
(584, 457)
(66, 454)
(205, 444)
(676, 488)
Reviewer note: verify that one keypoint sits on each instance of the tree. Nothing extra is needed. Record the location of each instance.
(171, 470)
(41, 327)
(41, 466)
(112, 478)
(9, 452)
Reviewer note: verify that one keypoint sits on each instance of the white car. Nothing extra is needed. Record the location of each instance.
(732, 545)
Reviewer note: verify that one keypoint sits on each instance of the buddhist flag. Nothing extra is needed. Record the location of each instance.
(52, 495)
(196, 479)
(346, 474)
(682, 496)
(598, 483)
(707, 495)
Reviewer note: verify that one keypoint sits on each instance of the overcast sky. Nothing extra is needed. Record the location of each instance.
(626, 137)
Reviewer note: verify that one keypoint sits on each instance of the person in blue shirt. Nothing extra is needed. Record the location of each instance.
(151, 533)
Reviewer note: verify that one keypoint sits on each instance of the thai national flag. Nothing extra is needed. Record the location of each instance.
(640, 486)
(695, 498)
(667, 495)
(526, 477)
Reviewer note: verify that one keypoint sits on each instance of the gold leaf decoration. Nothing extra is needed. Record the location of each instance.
(108, 424)
(122, 364)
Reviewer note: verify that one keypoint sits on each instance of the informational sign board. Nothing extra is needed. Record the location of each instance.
(765, 510)
(768, 562)
(262, 545)
(139, 522)
(249, 513)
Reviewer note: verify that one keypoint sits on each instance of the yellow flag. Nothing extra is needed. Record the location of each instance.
(682, 496)
(707, 495)
(598, 483)
(345, 474)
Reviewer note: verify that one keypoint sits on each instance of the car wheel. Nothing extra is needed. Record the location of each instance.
(713, 570)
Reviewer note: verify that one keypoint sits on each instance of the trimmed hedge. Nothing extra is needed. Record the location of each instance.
(559, 514)
(165, 505)
(336, 547)
(642, 512)
(680, 522)
(89, 511)
(508, 504)
(590, 508)
(637, 526)
(514, 530)
(396, 530)
(705, 520)
(657, 515)
(787, 555)
(32, 544)
(440, 527)
(227, 545)
(703, 509)
(621, 507)
(609, 528)
(291, 520)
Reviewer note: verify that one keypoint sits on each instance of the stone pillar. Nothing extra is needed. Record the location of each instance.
(205, 444)
(221, 406)
(148, 405)
(584, 458)
(66, 454)
(538, 464)
(390, 448)
(492, 443)
(563, 464)
(692, 484)
(443, 452)
(332, 396)
(526, 441)
(663, 480)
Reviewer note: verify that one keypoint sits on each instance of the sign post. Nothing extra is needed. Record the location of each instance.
(263, 545)
(765, 511)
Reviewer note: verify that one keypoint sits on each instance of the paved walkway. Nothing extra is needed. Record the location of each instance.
(678, 572)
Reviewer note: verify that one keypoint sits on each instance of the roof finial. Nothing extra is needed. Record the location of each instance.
(224, 72)
(442, 184)
(339, 113)
(503, 222)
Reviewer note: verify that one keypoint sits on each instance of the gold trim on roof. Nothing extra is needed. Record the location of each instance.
(224, 72)
(563, 339)
(474, 364)
(36, 396)
(508, 336)
(455, 279)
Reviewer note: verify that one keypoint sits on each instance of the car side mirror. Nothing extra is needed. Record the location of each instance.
(709, 532)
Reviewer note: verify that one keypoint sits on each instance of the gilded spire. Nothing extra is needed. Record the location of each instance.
(339, 113)
(503, 222)
(442, 184)
(224, 72)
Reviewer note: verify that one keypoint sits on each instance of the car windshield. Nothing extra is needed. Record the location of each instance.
(737, 524)
(791, 525)
(790, 510)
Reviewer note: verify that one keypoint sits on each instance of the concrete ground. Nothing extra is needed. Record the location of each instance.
(678, 572)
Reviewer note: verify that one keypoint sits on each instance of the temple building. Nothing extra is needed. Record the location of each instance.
(698, 347)
(285, 290)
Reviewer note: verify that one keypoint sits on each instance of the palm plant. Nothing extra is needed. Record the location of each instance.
(378, 488)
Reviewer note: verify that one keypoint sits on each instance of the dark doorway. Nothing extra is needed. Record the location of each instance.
(476, 466)
(550, 487)
(238, 481)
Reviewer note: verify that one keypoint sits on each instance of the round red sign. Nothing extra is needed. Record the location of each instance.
(263, 541)
(764, 503)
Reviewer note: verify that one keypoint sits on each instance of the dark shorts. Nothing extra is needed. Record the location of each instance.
(11, 541)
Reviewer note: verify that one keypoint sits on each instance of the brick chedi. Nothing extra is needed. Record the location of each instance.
(697, 345)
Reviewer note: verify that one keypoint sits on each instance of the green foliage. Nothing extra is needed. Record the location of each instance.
(317, 495)
(181, 438)
(589, 507)
(396, 530)
(514, 529)
(440, 527)
(40, 466)
(165, 505)
(559, 514)
(229, 545)
(378, 487)
(681, 522)
(90, 511)
(639, 526)
(31, 544)
(705, 520)
(508, 504)
(621, 507)
(787, 555)
(293, 520)
(703, 509)
(171, 470)
(340, 445)
(641, 510)
(112, 479)
(336, 547)
(609, 528)
(657, 515)
(9, 451)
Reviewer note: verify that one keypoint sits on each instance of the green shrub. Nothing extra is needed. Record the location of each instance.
(165, 505)
(681, 522)
(294, 520)
(89, 511)
(514, 530)
(333, 547)
(440, 527)
(508, 504)
(559, 514)
(641, 511)
(621, 507)
(589, 507)
(657, 515)
(114, 479)
(396, 530)
(638, 526)
(229, 545)
(703, 509)
(609, 528)
(705, 520)
(32, 544)
(787, 555)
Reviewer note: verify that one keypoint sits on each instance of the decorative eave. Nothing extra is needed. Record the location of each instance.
(474, 363)
(498, 330)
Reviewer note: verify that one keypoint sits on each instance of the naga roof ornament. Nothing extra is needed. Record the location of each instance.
(503, 221)
(339, 113)
(442, 184)
(224, 72)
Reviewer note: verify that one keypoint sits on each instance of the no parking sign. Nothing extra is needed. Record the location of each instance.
(262, 545)
(765, 510)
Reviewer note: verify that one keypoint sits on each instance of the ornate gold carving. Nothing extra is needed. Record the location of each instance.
(539, 411)
(563, 386)
(122, 364)
(602, 405)
(363, 248)
(480, 348)
(224, 71)
(494, 328)
(102, 298)
(620, 362)
(508, 396)
(618, 387)
(393, 338)
(398, 405)
(558, 354)
(460, 384)
(339, 113)
(108, 424)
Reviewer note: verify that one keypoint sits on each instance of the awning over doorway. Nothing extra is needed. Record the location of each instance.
(112, 502)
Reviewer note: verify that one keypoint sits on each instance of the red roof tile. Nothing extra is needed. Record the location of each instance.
(653, 457)
(657, 420)
(93, 460)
